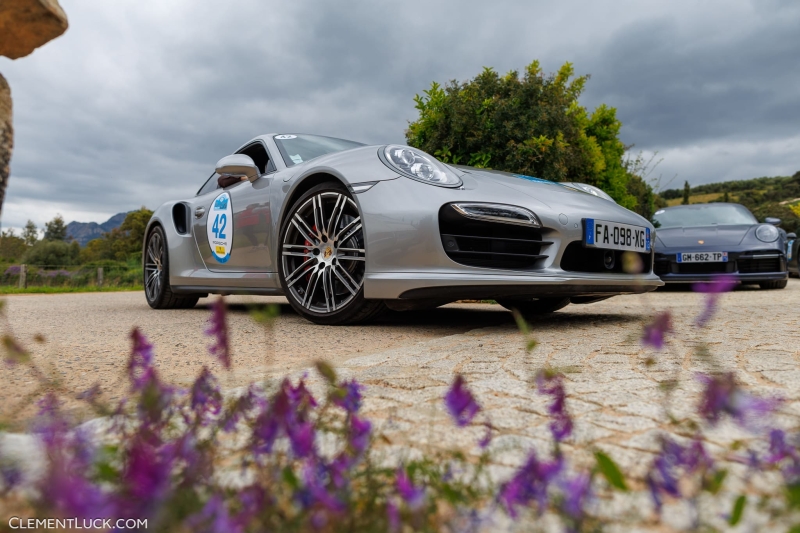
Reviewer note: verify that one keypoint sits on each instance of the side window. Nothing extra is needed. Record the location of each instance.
(260, 157)
(209, 185)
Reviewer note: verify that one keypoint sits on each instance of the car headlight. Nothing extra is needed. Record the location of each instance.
(589, 189)
(419, 166)
(767, 233)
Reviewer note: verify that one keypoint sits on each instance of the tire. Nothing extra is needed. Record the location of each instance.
(772, 285)
(322, 240)
(157, 290)
(540, 306)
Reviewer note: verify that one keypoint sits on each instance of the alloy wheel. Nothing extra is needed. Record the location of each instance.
(322, 253)
(154, 266)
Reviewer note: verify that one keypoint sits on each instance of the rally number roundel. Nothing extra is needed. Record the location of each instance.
(220, 228)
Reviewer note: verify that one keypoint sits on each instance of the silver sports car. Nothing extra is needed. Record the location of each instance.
(344, 230)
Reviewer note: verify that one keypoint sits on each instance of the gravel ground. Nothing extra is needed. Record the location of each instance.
(407, 361)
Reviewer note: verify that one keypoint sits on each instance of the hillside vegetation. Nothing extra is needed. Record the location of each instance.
(765, 197)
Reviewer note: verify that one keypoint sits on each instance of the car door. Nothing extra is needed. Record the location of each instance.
(232, 225)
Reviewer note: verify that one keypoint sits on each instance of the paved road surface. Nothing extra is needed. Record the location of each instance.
(407, 361)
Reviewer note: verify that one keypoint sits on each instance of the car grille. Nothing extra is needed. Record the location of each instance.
(757, 262)
(754, 265)
(577, 258)
(490, 244)
(704, 268)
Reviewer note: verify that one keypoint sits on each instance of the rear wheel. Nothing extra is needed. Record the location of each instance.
(770, 285)
(538, 306)
(323, 258)
(157, 289)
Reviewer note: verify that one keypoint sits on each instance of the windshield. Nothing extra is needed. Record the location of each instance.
(297, 149)
(703, 215)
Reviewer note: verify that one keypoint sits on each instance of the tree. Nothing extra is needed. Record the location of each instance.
(55, 230)
(11, 246)
(123, 243)
(53, 253)
(531, 124)
(725, 197)
(687, 190)
(30, 233)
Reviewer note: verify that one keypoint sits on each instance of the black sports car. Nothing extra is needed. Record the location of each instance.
(793, 254)
(700, 241)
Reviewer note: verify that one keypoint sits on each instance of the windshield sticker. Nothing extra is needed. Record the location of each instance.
(219, 228)
(284, 137)
(535, 180)
(296, 159)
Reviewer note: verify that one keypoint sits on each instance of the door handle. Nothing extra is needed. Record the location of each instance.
(199, 212)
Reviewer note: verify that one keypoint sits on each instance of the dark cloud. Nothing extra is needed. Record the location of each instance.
(135, 103)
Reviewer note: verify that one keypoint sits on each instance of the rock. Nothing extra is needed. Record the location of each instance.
(6, 136)
(25, 25)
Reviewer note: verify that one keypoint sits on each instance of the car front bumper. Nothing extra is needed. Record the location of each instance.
(744, 266)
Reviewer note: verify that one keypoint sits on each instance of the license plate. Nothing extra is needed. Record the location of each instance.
(615, 236)
(703, 257)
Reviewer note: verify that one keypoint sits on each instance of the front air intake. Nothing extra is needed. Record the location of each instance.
(491, 242)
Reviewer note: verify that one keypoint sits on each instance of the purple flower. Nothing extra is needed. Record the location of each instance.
(360, 430)
(529, 484)
(560, 422)
(460, 402)
(413, 496)
(315, 492)
(713, 289)
(206, 399)
(214, 518)
(349, 397)
(487, 437)
(13, 270)
(576, 491)
(140, 362)
(218, 328)
(393, 517)
(50, 423)
(146, 477)
(301, 437)
(723, 395)
(655, 332)
(672, 461)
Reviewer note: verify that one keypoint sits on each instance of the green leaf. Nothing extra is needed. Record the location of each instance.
(327, 372)
(795, 529)
(289, 478)
(793, 495)
(738, 509)
(610, 471)
(715, 483)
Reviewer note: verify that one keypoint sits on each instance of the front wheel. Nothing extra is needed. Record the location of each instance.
(157, 289)
(769, 285)
(323, 258)
(538, 306)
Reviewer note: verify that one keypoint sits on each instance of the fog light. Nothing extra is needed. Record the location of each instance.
(609, 259)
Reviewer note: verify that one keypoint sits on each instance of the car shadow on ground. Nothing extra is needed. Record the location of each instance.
(466, 316)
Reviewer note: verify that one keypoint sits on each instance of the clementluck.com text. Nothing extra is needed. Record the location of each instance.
(15, 522)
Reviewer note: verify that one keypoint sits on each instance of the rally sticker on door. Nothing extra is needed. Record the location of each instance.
(220, 228)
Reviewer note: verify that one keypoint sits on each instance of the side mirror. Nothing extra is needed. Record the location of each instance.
(238, 165)
(791, 235)
(772, 220)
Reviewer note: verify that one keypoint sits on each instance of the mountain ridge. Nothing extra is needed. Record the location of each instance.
(85, 232)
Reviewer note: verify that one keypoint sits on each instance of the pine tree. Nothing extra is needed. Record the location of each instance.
(30, 233)
(55, 230)
(686, 192)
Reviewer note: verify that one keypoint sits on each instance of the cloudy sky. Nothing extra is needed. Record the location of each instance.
(139, 99)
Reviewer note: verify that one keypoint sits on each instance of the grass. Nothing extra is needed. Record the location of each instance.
(59, 290)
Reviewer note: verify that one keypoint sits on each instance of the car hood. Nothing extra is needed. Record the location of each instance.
(553, 195)
(712, 235)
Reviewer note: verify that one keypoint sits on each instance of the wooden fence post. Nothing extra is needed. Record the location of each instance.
(99, 276)
(23, 276)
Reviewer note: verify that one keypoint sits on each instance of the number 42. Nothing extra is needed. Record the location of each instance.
(219, 226)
